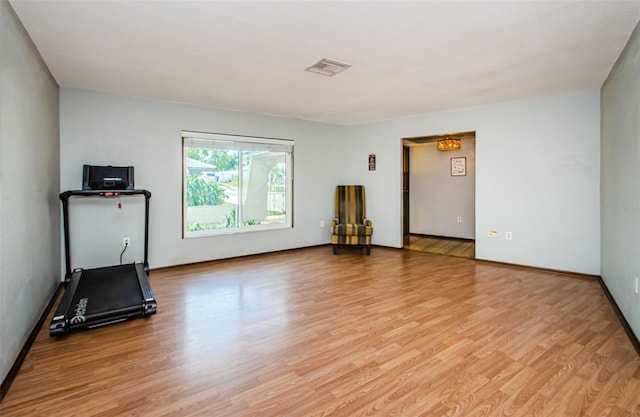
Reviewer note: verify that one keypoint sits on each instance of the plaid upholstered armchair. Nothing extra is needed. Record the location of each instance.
(351, 226)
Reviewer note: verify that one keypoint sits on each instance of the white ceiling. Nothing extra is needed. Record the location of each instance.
(407, 58)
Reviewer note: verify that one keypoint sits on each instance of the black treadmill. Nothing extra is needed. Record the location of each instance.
(100, 296)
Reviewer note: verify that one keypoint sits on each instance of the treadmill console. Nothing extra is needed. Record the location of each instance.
(95, 177)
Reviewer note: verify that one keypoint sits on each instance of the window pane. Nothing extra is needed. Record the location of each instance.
(211, 189)
(234, 185)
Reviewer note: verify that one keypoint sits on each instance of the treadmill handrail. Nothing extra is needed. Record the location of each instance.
(64, 198)
(102, 193)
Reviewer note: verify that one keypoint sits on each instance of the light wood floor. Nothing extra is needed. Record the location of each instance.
(308, 333)
(463, 248)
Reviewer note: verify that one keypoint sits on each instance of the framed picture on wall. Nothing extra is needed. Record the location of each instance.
(458, 167)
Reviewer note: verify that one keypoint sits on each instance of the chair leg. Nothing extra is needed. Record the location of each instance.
(368, 249)
(335, 249)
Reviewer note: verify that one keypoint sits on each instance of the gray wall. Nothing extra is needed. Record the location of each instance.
(29, 187)
(620, 193)
(537, 175)
(99, 129)
(437, 199)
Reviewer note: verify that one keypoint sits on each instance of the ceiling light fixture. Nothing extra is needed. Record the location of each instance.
(449, 144)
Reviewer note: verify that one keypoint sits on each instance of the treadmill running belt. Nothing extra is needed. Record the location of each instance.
(108, 289)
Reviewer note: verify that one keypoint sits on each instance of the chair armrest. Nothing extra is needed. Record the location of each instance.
(367, 222)
(334, 222)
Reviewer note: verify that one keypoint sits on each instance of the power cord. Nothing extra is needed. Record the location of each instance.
(122, 253)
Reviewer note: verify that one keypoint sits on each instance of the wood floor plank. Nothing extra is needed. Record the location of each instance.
(308, 333)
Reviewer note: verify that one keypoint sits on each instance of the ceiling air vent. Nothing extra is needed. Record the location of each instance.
(328, 67)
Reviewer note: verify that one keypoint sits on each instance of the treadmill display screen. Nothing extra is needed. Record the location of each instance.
(108, 177)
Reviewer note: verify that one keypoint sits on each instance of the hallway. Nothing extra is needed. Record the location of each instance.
(463, 248)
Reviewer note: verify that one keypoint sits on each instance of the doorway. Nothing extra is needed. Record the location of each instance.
(438, 194)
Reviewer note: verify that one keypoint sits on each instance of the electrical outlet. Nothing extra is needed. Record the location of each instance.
(459, 219)
(508, 236)
(126, 241)
(322, 223)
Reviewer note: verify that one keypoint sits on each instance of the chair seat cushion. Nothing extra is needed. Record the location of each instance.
(351, 230)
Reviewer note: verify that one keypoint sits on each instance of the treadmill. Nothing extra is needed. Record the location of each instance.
(100, 296)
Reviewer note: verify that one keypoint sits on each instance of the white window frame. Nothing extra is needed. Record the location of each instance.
(192, 139)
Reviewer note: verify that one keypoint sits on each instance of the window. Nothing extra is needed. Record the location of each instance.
(235, 184)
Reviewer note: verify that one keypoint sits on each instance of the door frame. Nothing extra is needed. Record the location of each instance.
(406, 165)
